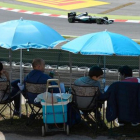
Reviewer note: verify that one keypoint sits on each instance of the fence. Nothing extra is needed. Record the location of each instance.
(58, 60)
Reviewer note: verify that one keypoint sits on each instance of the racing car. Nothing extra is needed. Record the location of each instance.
(85, 18)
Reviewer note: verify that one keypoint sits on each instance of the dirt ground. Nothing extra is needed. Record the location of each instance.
(9, 136)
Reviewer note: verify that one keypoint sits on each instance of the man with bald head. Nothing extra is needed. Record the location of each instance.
(37, 76)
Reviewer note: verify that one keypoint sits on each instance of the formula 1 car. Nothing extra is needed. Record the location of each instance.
(85, 18)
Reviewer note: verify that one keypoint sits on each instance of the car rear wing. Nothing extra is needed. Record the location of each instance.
(72, 14)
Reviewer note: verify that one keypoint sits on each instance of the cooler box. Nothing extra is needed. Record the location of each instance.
(56, 115)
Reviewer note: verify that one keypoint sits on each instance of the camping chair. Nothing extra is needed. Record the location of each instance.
(31, 92)
(6, 99)
(85, 98)
(123, 103)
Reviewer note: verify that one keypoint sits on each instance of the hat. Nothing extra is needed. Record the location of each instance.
(1, 66)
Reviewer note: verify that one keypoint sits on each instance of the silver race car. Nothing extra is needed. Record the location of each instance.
(85, 18)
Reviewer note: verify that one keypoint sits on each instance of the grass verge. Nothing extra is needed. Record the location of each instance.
(19, 126)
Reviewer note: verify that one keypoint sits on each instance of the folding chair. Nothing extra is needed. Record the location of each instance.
(6, 99)
(123, 103)
(31, 92)
(85, 98)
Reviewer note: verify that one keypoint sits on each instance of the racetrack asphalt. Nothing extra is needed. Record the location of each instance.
(127, 13)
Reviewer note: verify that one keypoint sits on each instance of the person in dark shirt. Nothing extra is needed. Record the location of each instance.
(126, 75)
(37, 76)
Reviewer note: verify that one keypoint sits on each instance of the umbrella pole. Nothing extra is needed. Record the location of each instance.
(10, 60)
(104, 80)
(104, 70)
(70, 63)
(20, 81)
(20, 66)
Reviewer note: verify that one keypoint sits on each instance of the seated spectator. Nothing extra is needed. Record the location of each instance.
(94, 75)
(4, 76)
(126, 75)
(37, 76)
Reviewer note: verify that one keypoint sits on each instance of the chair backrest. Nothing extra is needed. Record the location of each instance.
(4, 88)
(3, 85)
(123, 101)
(32, 90)
(35, 88)
(85, 97)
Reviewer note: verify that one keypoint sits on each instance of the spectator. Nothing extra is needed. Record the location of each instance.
(94, 75)
(126, 75)
(4, 76)
(37, 76)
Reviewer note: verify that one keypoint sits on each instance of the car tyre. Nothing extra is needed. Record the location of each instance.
(105, 22)
(71, 19)
(99, 21)
(105, 18)
(112, 21)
